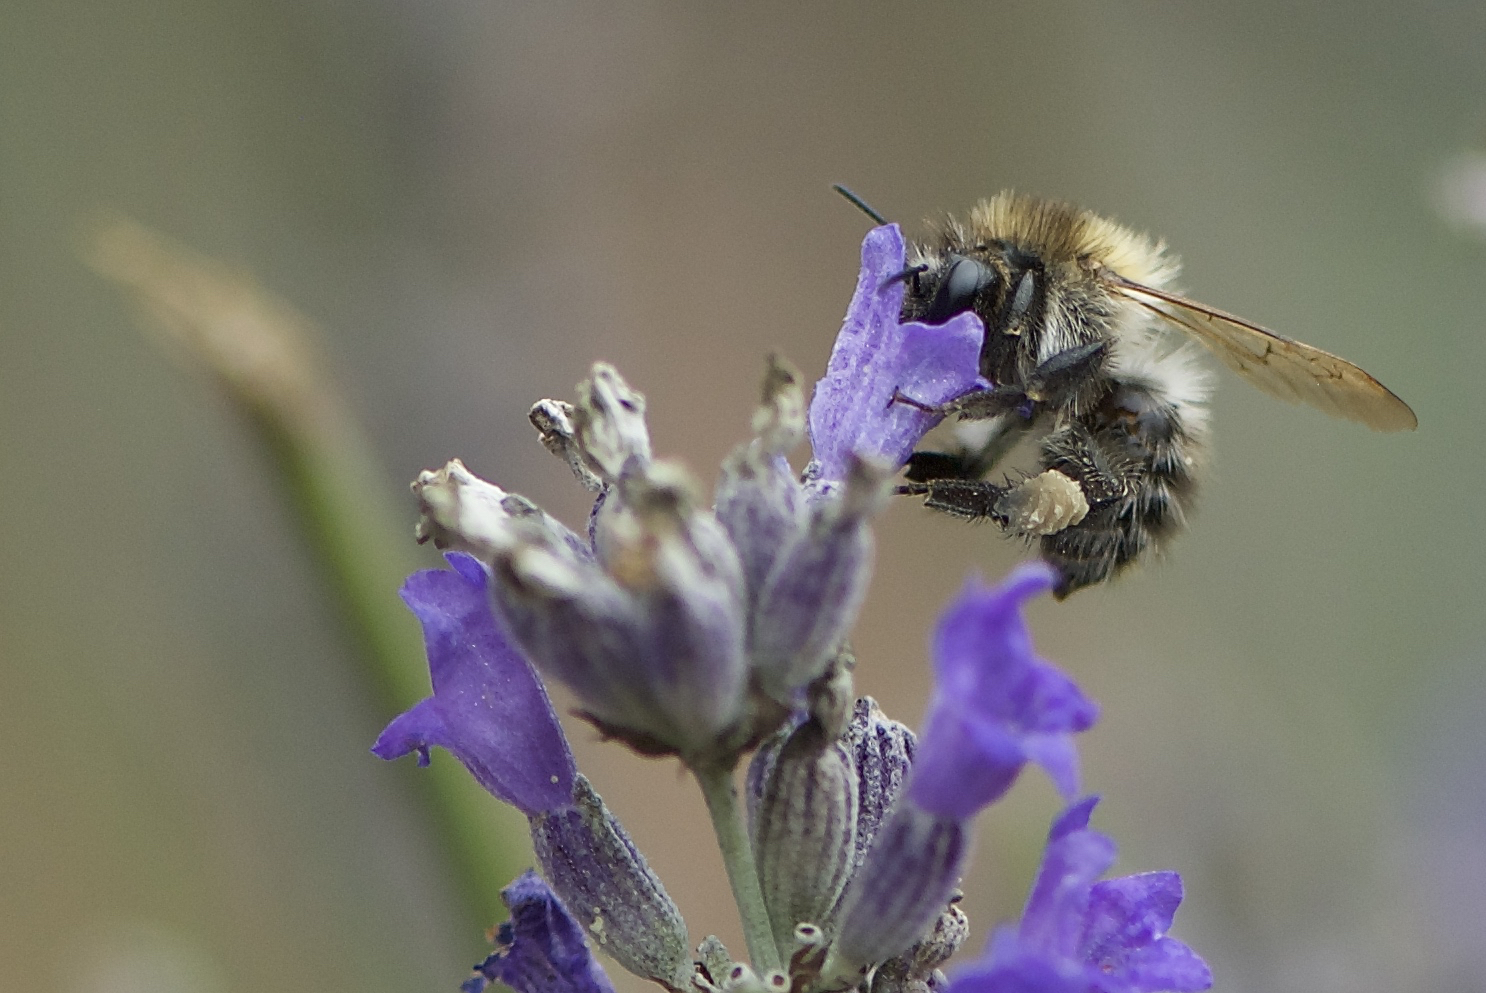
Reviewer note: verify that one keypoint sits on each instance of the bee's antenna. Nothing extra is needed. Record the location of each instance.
(860, 203)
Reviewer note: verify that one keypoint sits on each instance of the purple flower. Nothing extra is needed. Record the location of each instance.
(852, 411)
(1082, 936)
(996, 705)
(488, 708)
(541, 949)
(681, 629)
(645, 625)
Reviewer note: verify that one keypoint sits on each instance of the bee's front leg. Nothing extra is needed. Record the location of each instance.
(1052, 385)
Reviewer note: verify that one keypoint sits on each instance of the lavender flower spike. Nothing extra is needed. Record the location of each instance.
(852, 411)
(1082, 936)
(488, 708)
(541, 948)
(995, 706)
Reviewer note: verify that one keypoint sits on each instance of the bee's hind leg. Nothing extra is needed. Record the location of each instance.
(970, 499)
(1040, 505)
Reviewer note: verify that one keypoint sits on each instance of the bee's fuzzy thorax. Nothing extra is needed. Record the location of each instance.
(1056, 231)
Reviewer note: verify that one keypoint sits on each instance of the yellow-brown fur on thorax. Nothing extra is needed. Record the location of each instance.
(1060, 233)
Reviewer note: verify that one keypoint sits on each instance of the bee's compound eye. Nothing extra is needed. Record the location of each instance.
(956, 293)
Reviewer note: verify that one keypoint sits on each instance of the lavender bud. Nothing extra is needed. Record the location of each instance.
(811, 596)
(758, 499)
(803, 831)
(831, 699)
(553, 420)
(761, 766)
(609, 420)
(649, 636)
(779, 422)
(606, 884)
(883, 751)
(714, 959)
(462, 512)
(898, 893)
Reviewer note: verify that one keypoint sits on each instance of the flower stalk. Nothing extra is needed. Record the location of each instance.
(721, 794)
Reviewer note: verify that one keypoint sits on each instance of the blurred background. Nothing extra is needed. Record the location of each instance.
(474, 200)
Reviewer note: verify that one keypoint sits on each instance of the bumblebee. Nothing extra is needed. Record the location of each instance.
(1075, 309)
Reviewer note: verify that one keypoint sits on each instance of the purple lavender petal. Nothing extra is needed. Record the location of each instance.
(852, 409)
(1016, 973)
(1130, 910)
(541, 948)
(414, 730)
(963, 764)
(1057, 756)
(488, 708)
(1109, 936)
(1053, 922)
(983, 649)
(1164, 966)
(996, 705)
(1074, 818)
(1124, 936)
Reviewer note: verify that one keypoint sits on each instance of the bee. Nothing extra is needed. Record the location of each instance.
(1075, 308)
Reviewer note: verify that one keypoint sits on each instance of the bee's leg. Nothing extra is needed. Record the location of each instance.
(925, 466)
(972, 458)
(1053, 385)
(971, 499)
(982, 405)
(1060, 379)
(1041, 505)
(1103, 471)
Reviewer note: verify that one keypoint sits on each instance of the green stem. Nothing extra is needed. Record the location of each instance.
(259, 352)
(362, 555)
(737, 854)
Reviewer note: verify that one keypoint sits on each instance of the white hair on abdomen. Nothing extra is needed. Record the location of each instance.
(1177, 373)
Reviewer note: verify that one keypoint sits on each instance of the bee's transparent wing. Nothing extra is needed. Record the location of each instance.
(1280, 366)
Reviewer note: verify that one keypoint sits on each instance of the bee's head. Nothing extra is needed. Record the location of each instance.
(1000, 284)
